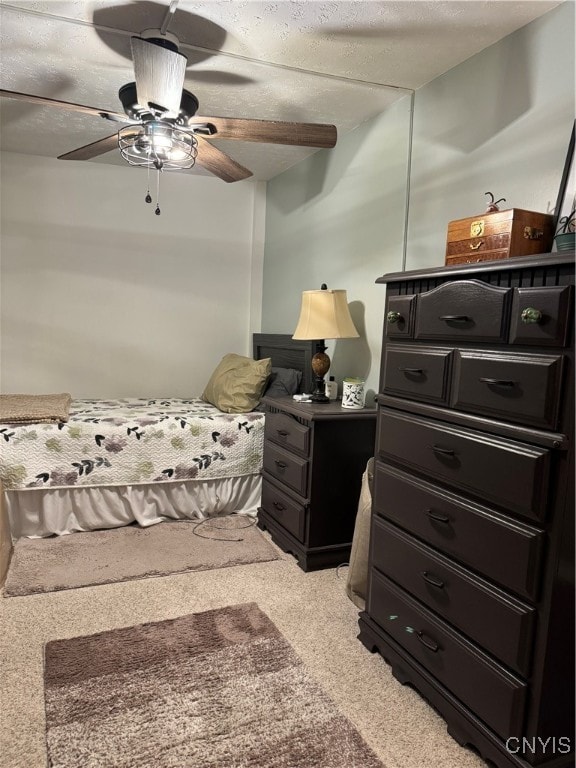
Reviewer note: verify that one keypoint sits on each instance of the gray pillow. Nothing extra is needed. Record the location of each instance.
(283, 381)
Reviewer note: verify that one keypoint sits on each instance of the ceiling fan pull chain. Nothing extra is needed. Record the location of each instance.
(148, 197)
(157, 211)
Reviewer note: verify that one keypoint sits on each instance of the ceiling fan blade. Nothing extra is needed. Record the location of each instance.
(159, 74)
(219, 163)
(271, 131)
(41, 100)
(88, 151)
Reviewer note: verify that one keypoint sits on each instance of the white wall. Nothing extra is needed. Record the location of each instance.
(102, 298)
(499, 122)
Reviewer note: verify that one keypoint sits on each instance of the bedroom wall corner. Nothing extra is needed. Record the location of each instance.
(257, 263)
(339, 218)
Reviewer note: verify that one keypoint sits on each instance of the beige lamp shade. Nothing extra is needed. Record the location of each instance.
(324, 314)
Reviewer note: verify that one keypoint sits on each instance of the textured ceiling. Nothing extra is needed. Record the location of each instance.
(334, 62)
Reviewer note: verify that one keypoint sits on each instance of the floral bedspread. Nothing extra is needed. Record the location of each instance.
(132, 440)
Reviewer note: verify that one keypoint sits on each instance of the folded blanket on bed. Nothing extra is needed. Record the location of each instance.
(35, 409)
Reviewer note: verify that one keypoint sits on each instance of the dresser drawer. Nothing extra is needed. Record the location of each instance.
(417, 372)
(490, 617)
(496, 696)
(400, 316)
(512, 387)
(284, 430)
(286, 467)
(541, 315)
(507, 472)
(465, 309)
(284, 510)
(462, 530)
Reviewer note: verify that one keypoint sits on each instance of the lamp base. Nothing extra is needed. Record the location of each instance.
(320, 366)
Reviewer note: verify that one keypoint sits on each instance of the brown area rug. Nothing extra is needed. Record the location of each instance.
(122, 554)
(219, 689)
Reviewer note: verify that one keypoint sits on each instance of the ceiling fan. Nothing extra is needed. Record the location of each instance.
(161, 129)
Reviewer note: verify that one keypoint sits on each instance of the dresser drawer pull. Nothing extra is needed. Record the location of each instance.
(280, 464)
(439, 518)
(455, 318)
(411, 370)
(531, 315)
(393, 317)
(498, 382)
(428, 642)
(283, 432)
(278, 505)
(443, 451)
(433, 580)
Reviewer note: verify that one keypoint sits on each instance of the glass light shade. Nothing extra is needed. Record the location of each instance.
(158, 145)
(324, 314)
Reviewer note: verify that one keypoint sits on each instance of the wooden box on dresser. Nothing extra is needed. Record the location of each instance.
(471, 581)
(314, 458)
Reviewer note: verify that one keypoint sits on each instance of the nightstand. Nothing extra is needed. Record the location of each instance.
(314, 458)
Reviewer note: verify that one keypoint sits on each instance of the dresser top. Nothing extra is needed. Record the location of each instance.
(543, 260)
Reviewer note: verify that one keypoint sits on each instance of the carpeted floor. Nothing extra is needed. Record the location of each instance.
(123, 554)
(311, 610)
(216, 689)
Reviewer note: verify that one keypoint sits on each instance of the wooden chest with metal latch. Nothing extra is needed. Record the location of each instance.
(498, 235)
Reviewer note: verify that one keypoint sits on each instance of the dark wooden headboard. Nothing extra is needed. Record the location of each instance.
(286, 352)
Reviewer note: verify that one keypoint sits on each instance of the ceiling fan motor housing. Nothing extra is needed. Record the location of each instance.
(164, 40)
(129, 99)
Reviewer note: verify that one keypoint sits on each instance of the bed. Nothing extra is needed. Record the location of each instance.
(134, 460)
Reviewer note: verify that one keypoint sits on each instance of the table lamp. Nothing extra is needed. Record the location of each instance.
(324, 314)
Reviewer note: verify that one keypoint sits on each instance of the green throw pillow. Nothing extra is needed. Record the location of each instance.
(237, 383)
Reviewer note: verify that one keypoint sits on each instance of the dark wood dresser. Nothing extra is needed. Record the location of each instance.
(471, 580)
(314, 458)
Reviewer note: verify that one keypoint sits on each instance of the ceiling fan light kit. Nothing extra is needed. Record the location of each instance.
(158, 101)
(155, 144)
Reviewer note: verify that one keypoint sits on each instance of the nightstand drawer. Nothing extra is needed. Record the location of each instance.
(507, 472)
(283, 429)
(508, 386)
(285, 510)
(461, 529)
(496, 696)
(419, 372)
(465, 309)
(498, 623)
(286, 467)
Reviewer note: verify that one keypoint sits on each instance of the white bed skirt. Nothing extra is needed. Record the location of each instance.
(39, 513)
